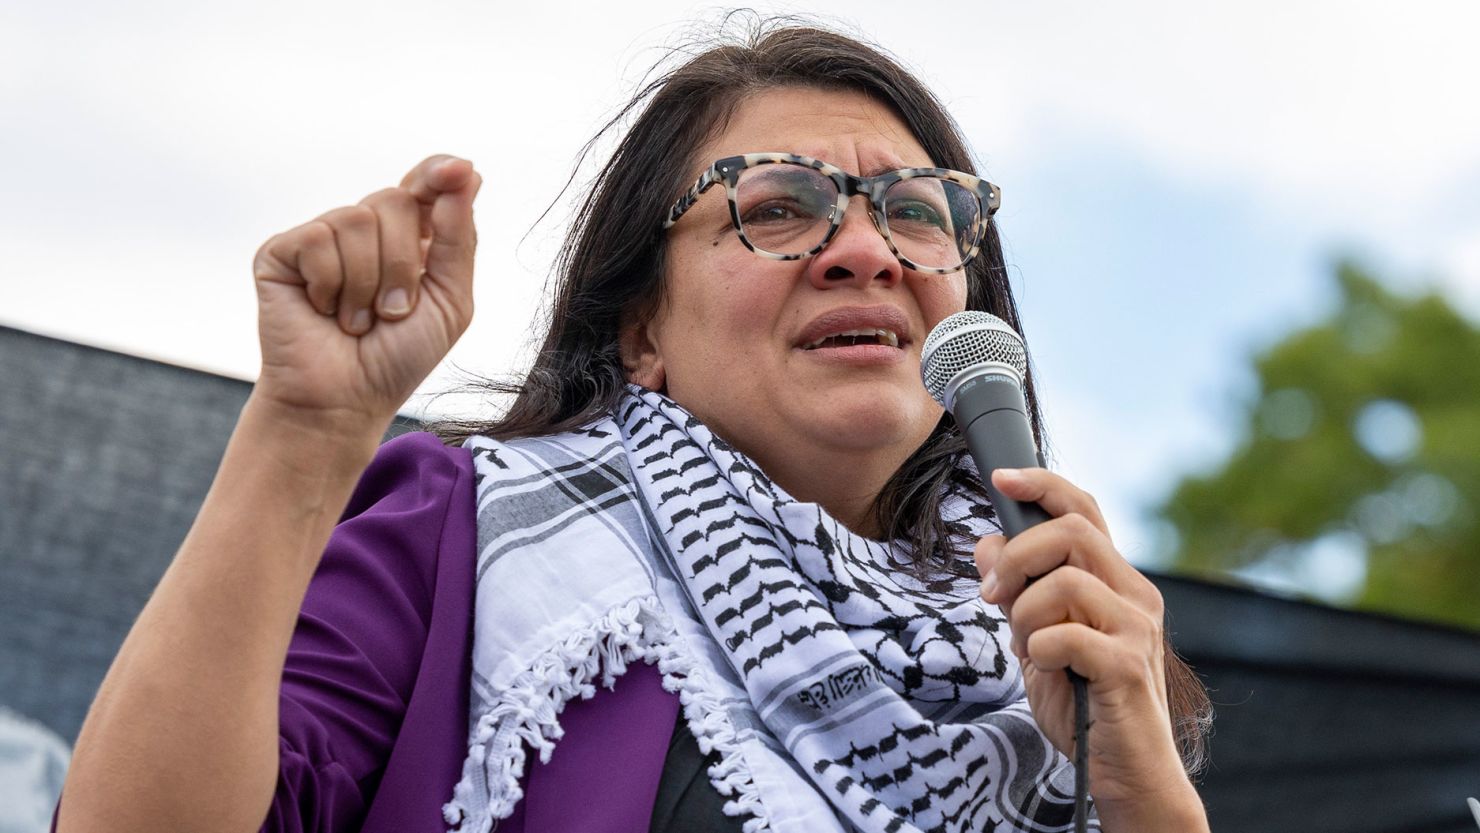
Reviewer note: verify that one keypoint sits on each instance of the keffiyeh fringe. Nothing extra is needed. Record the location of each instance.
(528, 713)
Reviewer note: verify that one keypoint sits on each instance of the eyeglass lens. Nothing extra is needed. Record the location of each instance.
(786, 209)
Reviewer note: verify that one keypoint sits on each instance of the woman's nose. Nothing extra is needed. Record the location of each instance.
(857, 254)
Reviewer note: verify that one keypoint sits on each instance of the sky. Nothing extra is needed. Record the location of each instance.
(1178, 178)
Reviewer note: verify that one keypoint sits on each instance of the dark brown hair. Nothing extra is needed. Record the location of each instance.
(610, 270)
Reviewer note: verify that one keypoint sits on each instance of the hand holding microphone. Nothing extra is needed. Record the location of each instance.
(1072, 602)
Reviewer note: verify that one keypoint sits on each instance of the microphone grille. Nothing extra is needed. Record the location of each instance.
(964, 340)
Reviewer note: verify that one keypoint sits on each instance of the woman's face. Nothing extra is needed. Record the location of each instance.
(733, 339)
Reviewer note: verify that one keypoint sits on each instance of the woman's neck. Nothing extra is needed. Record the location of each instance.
(845, 483)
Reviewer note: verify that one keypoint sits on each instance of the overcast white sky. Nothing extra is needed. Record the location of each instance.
(1177, 177)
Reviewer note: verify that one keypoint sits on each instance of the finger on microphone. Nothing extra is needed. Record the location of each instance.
(1057, 496)
(1070, 539)
(987, 551)
(1077, 647)
(1068, 594)
(1017, 483)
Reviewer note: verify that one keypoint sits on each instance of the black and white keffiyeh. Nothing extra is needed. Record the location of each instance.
(840, 693)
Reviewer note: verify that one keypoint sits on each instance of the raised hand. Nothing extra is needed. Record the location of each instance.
(356, 307)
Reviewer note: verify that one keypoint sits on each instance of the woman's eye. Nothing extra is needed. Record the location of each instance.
(771, 212)
(916, 213)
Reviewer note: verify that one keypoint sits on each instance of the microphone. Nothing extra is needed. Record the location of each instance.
(974, 364)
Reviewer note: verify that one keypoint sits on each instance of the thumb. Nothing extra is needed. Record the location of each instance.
(446, 187)
(454, 236)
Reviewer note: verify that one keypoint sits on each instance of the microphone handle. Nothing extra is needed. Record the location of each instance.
(993, 416)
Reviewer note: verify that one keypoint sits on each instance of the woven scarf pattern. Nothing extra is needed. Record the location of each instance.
(840, 692)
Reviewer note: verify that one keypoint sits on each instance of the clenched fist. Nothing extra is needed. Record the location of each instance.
(356, 307)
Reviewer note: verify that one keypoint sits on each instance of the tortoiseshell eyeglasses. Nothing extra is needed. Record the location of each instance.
(787, 207)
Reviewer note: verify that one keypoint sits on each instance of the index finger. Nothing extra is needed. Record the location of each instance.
(1057, 496)
(437, 175)
(1070, 540)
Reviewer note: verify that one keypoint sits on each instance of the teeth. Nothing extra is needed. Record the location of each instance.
(880, 335)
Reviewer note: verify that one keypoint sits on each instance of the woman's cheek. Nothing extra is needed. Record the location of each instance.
(940, 296)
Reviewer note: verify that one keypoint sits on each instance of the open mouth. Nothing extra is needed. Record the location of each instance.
(852, 338)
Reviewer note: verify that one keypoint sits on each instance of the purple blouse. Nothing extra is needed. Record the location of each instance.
(374, 705)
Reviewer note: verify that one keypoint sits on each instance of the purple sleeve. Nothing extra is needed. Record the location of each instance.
(382, 641)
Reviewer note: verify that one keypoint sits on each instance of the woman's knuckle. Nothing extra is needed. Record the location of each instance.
(1078, 583)
(1078, 525)
(268, 246)
(1156, 606)
(264, 261)
(1092, 503)
(356, 218)
(316, 234)
(1145, 595)
(1074, 637)
(336, 220)
(1156, 629)
(1142, 622)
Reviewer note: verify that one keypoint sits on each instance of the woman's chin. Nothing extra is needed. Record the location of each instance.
(869, 417)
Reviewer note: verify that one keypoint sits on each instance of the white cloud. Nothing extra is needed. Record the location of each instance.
(1335, 98)
(1338, 113)
(149, 149)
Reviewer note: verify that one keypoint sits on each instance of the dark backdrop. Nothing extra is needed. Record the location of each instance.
(1326, 719)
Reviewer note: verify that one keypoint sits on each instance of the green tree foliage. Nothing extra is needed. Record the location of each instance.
(1363, 440)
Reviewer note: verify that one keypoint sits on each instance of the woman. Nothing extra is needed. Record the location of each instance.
(681, 521)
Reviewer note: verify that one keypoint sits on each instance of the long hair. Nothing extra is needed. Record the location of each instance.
(610, 269)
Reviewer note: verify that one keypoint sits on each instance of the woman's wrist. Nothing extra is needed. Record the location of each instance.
(318, 443)
(1176, 808)
(297, 467)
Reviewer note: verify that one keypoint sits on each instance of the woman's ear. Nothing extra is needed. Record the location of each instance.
(640, 355)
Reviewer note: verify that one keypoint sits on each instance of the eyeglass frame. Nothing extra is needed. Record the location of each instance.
(727, 170)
